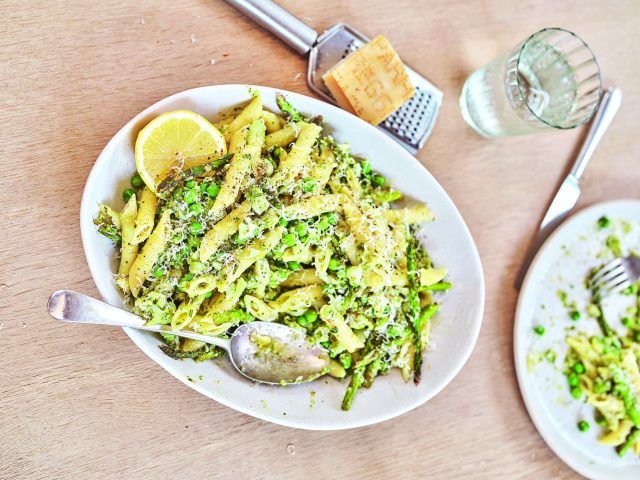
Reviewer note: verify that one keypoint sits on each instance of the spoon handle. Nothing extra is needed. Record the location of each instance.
(70, 306)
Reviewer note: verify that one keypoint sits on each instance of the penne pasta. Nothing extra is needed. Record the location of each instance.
(260, 309)
(272, 121)
(145, 217)
(282, 137)
(128, 249)
(247, 116)
(186, 312)
(144, 262)
(291, 166)
(245, 257)
(321, 168)
(313, 206)
(223, 230)
(410, 215)
(299, 300)
(302, 278)
(245, 154)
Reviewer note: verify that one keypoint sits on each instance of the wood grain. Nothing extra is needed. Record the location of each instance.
(86, 403)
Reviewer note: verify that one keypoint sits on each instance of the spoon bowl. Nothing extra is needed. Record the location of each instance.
(277, 354)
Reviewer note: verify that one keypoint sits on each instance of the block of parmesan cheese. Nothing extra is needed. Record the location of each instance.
(372, 81)
(337, 92)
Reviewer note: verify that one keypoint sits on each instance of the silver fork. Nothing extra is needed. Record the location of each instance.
(615, 276)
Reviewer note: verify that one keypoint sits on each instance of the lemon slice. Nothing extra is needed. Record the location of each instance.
(176, 140)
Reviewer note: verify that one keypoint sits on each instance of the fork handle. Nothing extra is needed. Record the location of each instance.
(609, 106)
(289, 28)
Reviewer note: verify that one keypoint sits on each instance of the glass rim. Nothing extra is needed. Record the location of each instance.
(520, 90)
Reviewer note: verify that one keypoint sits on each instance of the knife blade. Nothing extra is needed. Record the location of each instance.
(568, 193)
(565, 199)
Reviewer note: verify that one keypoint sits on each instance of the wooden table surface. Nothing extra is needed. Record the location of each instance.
(86, 403)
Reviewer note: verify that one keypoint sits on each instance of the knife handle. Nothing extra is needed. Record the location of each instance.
(609, 106)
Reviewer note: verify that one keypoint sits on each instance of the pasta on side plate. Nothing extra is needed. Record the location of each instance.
(287, 227)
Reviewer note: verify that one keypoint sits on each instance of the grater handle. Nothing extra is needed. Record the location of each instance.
(289, 28)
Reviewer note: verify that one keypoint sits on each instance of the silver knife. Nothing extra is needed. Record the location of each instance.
(569, 191)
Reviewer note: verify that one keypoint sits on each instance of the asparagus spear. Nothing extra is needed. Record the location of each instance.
(631, 440)
(371, 372)
(175, 177)
(414, 306)
(356, 381)
(289, 110)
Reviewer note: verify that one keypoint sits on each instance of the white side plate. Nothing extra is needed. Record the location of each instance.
(562, 264)
(448, 241)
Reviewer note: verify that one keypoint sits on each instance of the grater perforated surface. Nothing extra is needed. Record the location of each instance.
(412, 123)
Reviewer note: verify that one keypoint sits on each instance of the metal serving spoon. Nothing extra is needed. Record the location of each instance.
(262, 351)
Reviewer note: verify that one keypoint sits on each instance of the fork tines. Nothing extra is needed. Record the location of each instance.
(610, 278)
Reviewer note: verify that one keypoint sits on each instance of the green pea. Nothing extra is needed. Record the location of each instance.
(631, 290)
(196, 208)
(539, 330)
(573, 380)
(283, 222)
(332, 218)
(600, 387)
(302, 321)
(366, 168)
(277, 152)
(604, 222)
(196, 267)
(136, 181)
(212, 190)
(334, 264)
(311, 315)
(301, 229)
(127, 194)
(209, 294)
(345, 360)
(576, 392)
(190, 184)
(194, 242)
(394, 331)
(575, 315)
(308, 184)
(378, 180)
(289, 239)
(294, 266)
(578, 368)
(195, 227)
(323, 223)
(158, 272)
(583, 426)
(187, 277)
(190, 196)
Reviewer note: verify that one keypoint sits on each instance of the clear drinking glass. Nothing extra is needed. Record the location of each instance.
(551, 80)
